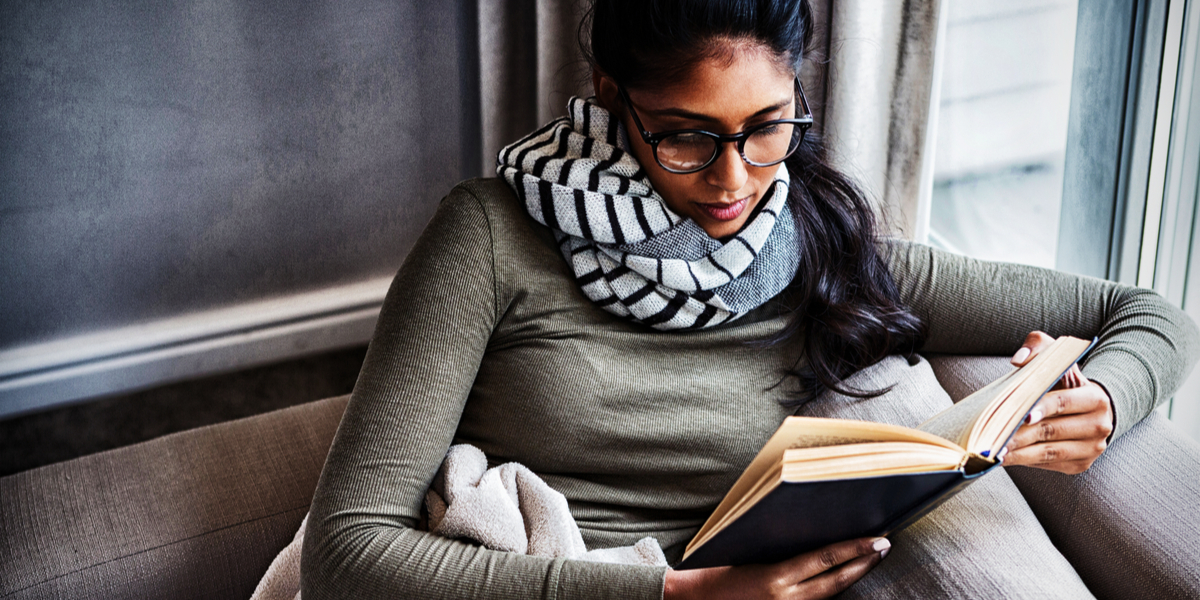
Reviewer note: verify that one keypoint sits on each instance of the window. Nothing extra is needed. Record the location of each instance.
(1068, 136)
(1002, 128)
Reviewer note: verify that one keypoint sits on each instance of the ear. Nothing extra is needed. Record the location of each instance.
(605, 89)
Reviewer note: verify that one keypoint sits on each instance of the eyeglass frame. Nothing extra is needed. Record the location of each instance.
(804, 122)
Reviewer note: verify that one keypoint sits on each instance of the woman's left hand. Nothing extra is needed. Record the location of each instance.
(1068, 429)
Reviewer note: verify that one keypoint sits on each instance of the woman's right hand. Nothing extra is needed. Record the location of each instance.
(818, 574)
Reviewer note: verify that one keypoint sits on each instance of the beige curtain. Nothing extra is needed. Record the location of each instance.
(882, 82)
(530, 65)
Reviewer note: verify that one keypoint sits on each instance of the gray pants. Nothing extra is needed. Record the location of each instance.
(1115, 531)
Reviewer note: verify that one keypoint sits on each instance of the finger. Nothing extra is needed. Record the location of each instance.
(1069, 467)
(832, 583)
(1052, 453)
(1074, 401)
(1088, 427)
(1034, 343)
(1073, 378)
(810, 564)
(1088, 398)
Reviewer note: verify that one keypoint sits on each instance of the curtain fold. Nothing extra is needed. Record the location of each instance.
(881, 80)
(530, 65)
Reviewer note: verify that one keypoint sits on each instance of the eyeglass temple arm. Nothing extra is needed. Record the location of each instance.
(803, 100)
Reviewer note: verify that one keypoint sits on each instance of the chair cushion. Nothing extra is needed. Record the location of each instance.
(1129, 524)
(195, 514)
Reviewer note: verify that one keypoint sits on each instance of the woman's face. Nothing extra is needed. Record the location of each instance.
(721, 96)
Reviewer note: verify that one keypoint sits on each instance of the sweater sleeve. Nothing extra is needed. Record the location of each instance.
(431, 337)
(1146, 346)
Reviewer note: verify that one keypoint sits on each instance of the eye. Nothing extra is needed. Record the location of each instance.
(689, 139)
(771, 129)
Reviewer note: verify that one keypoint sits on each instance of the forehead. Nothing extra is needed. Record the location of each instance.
(728, 85)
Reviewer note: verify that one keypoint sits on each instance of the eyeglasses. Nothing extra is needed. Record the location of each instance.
(689, 150)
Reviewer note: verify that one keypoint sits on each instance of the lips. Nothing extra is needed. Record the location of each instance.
(725, 212)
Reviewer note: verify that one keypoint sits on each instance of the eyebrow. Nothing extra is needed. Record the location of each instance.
(687, 114)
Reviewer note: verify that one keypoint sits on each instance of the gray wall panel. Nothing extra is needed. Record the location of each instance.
(160, 158)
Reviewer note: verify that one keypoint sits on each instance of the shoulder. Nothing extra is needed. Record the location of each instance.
(494, 214)
(492, 198)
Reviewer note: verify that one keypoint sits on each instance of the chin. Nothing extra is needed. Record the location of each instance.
(722, 229)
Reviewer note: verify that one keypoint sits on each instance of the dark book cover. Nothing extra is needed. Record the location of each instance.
(798, 517)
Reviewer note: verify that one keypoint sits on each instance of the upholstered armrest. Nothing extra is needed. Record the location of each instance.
(197, 514)
(202, 513)
(1130, 525)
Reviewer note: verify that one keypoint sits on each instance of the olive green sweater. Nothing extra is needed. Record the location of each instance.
(485, 339)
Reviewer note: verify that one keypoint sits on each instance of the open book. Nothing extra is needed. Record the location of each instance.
(820, 481)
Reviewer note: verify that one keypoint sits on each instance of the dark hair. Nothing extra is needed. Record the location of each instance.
(846, 307)
(640, 41)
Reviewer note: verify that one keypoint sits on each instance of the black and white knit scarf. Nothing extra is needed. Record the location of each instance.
(631, 254)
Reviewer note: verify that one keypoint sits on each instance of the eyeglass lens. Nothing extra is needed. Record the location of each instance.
(765, 146)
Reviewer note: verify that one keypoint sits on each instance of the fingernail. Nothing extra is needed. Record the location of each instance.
(1034, 416)
(1003, 453)
(881, 545)
(883, 553)
(1021, 355)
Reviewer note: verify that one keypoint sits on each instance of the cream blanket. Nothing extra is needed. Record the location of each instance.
(505, 508)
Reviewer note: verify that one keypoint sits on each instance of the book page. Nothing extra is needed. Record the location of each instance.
(1044, 370)
(868, 460)
(797, 456)
(820, 440)
(955, 423)
(814, 432)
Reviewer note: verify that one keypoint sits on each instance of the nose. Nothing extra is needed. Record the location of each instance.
(728, 172)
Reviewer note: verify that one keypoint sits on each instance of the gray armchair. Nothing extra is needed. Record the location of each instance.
(202, 513)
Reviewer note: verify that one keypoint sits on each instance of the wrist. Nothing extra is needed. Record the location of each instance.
(671, 585)
(1112, 408)
(680, 585)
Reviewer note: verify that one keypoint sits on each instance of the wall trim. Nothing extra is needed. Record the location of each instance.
(40, 376)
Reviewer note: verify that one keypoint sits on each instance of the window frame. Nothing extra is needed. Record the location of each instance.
(1130, 203)
(1176, 251)
(1110, 136)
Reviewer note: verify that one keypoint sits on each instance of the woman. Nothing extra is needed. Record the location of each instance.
(632, 311)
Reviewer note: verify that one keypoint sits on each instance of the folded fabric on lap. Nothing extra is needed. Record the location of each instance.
(507, 508)
(510, 508)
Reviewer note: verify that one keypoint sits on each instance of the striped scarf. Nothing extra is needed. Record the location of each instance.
(631, 254)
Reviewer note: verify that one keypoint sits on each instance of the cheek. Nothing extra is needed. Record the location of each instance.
(763, 176)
